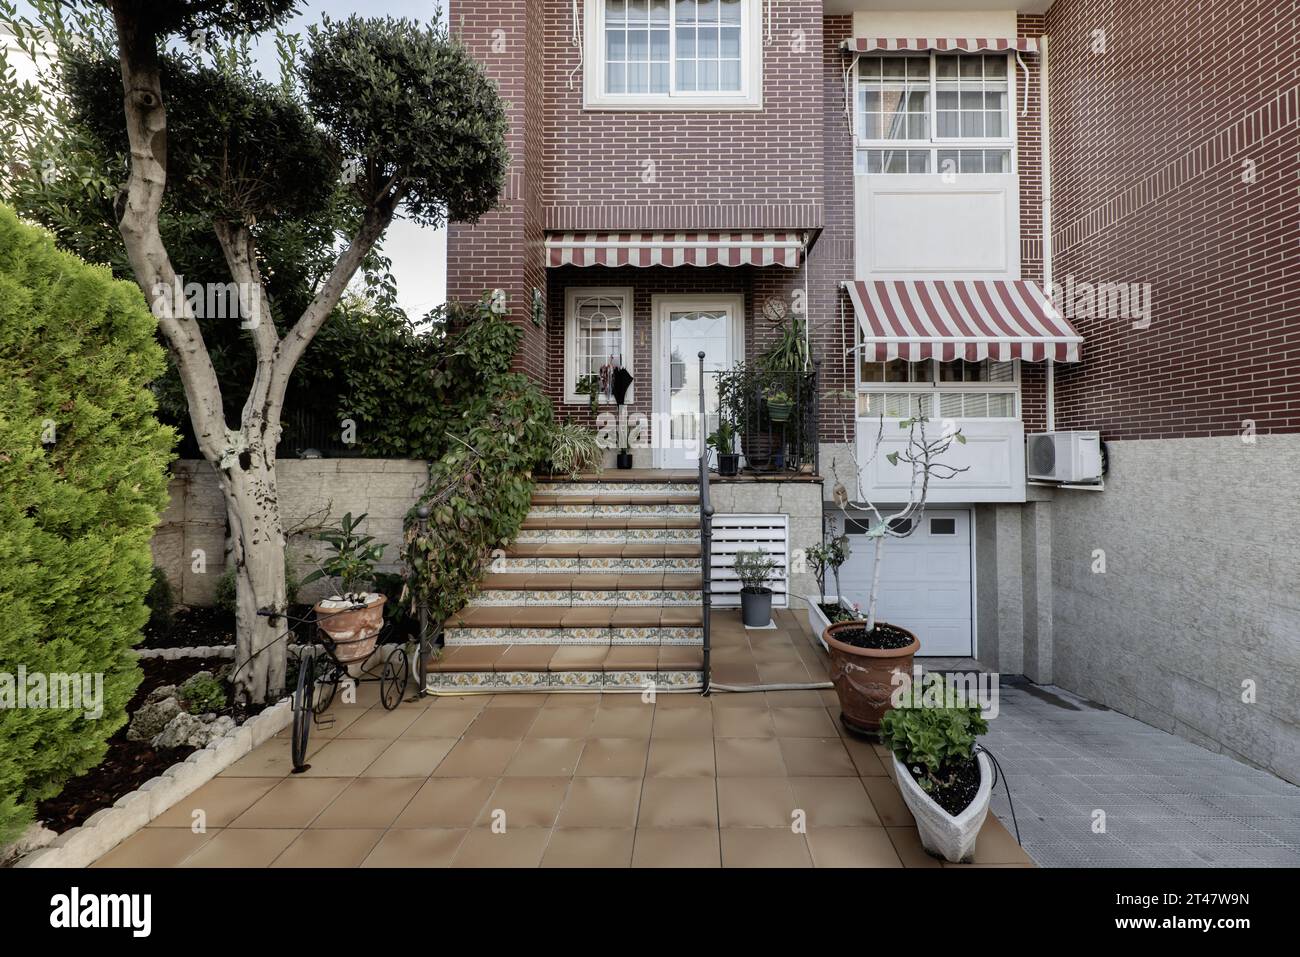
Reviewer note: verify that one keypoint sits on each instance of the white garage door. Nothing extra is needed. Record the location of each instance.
(925, 581)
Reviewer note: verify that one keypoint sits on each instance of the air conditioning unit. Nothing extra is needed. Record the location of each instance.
(1067, 457)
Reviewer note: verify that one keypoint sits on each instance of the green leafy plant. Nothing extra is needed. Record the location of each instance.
(829, 556)
(202, 694)
(351, 562)
(934, 742)
(575, 449)
(161, 603)
(790, 352)
(723, 439)
(589, 385)
(754, 569)
(82, 482)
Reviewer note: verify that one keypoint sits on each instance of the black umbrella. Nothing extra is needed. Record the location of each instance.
(622, 381)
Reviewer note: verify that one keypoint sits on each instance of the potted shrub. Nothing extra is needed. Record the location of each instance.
(754, 569)
(352, 617)
(779, 406)
(866, 654)
(589, 385)
(945, 781)
(826, 609)
(723, 441)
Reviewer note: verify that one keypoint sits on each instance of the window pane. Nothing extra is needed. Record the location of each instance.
(659, 45)
(995, 66)
(616, 74)
(638, 45)
(707, 43)
(730, 11)
(972, 124)
(638, 77)
(708, 75)
(1001, 371)
(708, 10)
(730, 77)
(946, 67)
(872, 372)
(948, 124)
(659, 78)
(731, 42)
(971, 67)
(685, 75)
(893, 68)
(615, 45)
(638, 11)
(685, 43)
(1002, 405)
(615, 11)
(685, 11)
(598, 333)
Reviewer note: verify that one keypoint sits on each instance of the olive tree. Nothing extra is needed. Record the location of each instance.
(390, 114)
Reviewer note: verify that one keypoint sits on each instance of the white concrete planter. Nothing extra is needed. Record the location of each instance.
(952, 838)
(818, 622)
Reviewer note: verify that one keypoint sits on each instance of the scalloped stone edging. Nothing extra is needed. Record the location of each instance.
(109, 826)
(194, 651)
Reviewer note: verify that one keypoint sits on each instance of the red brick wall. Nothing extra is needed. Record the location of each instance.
(1149, 144)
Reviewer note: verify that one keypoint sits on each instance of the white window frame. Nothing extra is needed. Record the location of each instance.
(750, 96)
(936, 143)
(935, 388)
(571, 296)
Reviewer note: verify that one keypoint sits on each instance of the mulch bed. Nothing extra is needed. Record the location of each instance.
(956, 796)
(128, 764)
(193, 628)
(883, 638)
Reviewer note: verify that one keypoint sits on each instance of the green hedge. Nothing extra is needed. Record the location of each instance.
(77, 352)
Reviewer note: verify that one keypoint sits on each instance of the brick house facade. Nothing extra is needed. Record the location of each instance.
(1167, 167)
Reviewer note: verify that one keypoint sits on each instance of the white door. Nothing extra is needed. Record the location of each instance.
(925, 581)
(685, 327)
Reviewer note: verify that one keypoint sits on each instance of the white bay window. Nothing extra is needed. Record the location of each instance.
(938, 390)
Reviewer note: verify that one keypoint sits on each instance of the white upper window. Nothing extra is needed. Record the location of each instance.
(943, 113)
(678, 54)
(939, 390)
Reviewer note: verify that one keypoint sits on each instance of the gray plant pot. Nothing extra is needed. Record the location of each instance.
(756, 608)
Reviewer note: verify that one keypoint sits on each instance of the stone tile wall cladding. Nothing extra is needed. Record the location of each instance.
(312, 492)
(802, 501)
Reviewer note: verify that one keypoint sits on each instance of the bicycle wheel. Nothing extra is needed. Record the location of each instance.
(392, 683)
(302, 711)
(327, 686)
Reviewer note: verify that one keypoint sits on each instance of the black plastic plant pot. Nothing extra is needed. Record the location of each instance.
(756, 607)
(728, 463)
(624, 460)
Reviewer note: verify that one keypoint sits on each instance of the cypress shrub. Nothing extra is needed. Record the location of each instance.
(82, 481)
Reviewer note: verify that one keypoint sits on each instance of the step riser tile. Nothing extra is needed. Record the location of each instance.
(604, 565)
(609, 536)
(583, 599)
(525, 681)
(614, 511)
(616, 488)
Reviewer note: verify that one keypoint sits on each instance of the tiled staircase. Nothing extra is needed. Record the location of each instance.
(601, 591)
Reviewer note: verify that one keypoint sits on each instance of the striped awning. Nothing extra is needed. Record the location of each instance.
(675, 249)
(960, 319)
(941, 44)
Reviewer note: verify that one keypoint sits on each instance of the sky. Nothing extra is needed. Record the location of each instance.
(418, 254)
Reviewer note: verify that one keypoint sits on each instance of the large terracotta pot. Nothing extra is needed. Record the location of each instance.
(353, 630)
(864, 677)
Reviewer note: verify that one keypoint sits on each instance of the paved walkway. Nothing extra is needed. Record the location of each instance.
(1166, 802)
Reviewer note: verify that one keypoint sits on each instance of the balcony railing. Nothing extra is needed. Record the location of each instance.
(774, 414)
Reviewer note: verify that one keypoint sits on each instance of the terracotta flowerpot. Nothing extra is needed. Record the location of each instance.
(353, 630)
(863, 677)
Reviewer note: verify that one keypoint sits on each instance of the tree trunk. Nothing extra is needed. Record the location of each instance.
(253, 509)
(875, 583)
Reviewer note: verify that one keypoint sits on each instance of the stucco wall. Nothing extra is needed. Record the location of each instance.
(1198, 596)
(312, 492)
(802, 501)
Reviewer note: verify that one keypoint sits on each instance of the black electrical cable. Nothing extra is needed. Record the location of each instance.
(999, 773)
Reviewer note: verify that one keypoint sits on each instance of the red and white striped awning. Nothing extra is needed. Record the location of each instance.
(675, 249)
(941, 44)
(961, 319)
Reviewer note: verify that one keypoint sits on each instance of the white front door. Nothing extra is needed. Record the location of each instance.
(925, 581)
(684, 327)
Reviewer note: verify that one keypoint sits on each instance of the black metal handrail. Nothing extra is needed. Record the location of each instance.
(706, 529)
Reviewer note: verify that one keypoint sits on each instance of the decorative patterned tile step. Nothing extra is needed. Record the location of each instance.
(609, 523)
(618, 510)
(634, 476)
(602, 488)
(543, 617)
(616, 635)
(609, 536)
(611, 499)
(502, 682)
(515, 658)
(560, 581)
(603, 550)
(587, 599)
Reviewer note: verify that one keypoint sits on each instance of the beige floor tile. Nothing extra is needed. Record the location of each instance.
(427, 847)
(685, 701)
(546, 757)
(864, 757)
(502, 722)
(601, 802)
(619, 721)
(737, 674)
(852, 847)
(242, 848)
(623, 699)
(756, 802)
(562, 722)
(676, 847)
(803, 722)
(907, 844)
(271, 759)
(331, 724)
(519, 699)
(293, 803)
(795, 699)
(378, 723)
(368, 803)
(682, 722)
(613, 757)
(516, 847)
(733, 722)
(345, 757)
(680, 758)
(997, 845)
(478, 758)
(589, 847)
(749, 758)
(446, 802)
(330, 848)
(221, 800)
(764, 847)
(807, 757)
(834, 802)
(410, 758)
(783, 673)
(888, 802)
(156, 847)
(475, 702)
(441, 722)
(678, 802)
(524, 803)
